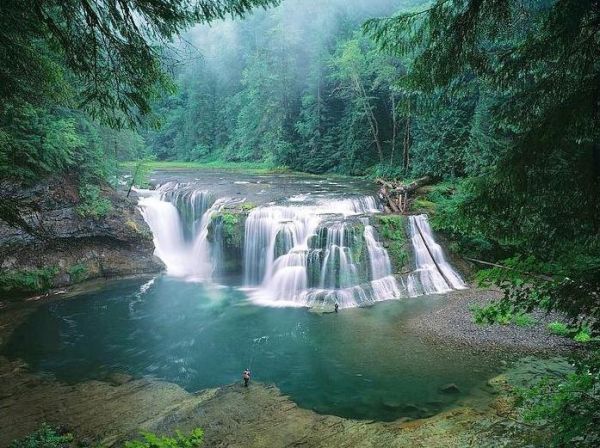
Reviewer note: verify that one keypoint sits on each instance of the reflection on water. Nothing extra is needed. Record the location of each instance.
(360, 363)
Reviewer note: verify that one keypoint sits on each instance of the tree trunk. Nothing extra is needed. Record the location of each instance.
(394, 127)
(370, 116)
(405, 155)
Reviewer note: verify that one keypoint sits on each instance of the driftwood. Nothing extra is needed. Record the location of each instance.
(396, 195)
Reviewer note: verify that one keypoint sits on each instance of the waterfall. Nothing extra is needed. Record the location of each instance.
(178, 216)
(308, 251)
(433, 274)
(301, 255)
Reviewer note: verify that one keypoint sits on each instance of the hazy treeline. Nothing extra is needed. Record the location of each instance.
(298, 85)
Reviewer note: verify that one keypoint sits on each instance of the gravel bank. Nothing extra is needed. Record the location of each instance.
(451, 322)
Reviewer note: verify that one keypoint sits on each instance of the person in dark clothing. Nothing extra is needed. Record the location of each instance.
(246, 376)
(336, 306)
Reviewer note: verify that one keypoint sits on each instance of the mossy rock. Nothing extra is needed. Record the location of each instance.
(392, 231)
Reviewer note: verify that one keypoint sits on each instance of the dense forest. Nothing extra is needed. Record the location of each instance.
(497, 100)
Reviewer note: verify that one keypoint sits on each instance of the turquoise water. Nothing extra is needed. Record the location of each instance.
(359, 363)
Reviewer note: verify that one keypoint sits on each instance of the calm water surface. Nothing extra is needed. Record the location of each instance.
(360, 363)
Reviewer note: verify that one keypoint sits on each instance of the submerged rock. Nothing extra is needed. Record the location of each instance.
(119, 378)
(450, 388)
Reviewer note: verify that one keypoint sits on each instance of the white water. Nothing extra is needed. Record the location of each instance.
(301, 255)
(433, 274)
(179, 219)
(304, 253)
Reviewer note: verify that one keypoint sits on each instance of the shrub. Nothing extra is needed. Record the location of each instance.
(195, 439)
(494, 313)
(583, 335)
(91, 202)
(559, 328)
(567, 406)
(28, 281)
(232, 232)
(523, 320)
(78, 272)
(45, 437)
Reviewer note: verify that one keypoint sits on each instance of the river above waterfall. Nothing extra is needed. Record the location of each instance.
(360, 363)
(259, 188)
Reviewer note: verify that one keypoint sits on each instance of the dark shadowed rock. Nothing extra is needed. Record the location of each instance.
(450, 389)
(53, 234)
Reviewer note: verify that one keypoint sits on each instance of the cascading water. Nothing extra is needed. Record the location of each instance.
(300, 255)
(433, 274)
(178, 216)
(306, 252)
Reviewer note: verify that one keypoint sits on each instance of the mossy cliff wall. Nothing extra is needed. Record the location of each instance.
(226, 232)
(60, 240)
(393, 234)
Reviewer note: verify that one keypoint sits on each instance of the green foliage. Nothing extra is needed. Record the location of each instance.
(150, 440)
(559, 328)
(28, 281)
(494, 313)
(78, 272)
(393, 233)
(523, 320)
(501, 313)
(444, 202)
(232, 231)
(250, 167)
(91, 202)
(568, 406)
(583, 335)
(45, 437)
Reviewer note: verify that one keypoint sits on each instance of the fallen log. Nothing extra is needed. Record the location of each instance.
(396, 194)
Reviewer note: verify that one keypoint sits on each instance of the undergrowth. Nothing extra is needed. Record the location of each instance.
(28, 281)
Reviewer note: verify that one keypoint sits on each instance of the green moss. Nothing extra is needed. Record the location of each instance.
(392, 230)
(357, 245)
(247, 206)
(28, 281)
(423, 205)
(232, 235)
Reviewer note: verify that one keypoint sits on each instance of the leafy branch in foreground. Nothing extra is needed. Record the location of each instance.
(113, 49)
(568, 406)
(150, 440)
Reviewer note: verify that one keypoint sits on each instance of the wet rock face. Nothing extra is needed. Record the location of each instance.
(52, 237)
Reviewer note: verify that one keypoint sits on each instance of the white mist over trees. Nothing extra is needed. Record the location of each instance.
(297, 85)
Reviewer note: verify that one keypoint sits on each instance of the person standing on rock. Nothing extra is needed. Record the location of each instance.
(336, 307)
(246, 376)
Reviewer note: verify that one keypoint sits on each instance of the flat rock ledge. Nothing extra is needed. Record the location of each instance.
(110, 412)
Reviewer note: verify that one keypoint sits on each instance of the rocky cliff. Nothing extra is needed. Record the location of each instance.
(49, 237)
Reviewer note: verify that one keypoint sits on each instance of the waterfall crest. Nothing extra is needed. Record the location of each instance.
(433, 274)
